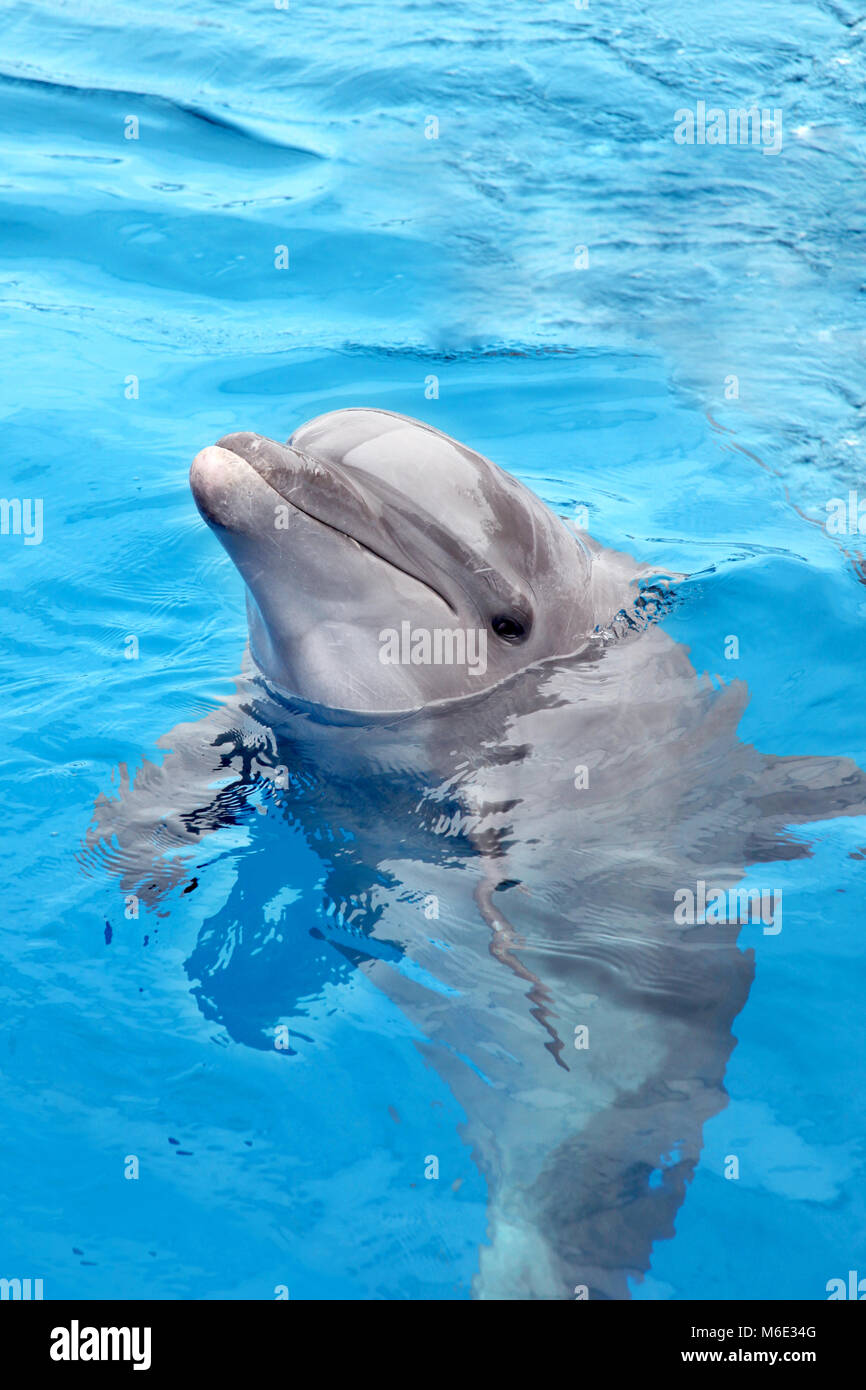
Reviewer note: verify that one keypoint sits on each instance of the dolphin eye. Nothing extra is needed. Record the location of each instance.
(509, 629)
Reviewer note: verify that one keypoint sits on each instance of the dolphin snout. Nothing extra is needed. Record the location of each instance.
(213, 470)
(246, 444)
(227, 491)
(281, 466)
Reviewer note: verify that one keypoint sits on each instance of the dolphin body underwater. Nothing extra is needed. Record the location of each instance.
(554, 806)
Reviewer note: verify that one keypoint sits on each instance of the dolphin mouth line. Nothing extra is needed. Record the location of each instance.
(338, 530)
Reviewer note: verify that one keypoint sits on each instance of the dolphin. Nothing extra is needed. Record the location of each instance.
(513, 819)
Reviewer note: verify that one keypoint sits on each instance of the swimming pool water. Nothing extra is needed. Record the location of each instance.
(143, 316)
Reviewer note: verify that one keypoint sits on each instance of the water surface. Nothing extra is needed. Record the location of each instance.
(143, 316)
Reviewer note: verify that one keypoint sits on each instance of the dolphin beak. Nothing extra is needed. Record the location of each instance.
(237, 482)
(227, 492)
(278, 464)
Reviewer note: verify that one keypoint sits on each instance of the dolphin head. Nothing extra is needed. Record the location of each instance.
(386, 565)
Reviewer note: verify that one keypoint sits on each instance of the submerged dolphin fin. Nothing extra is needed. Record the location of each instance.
(143, 836)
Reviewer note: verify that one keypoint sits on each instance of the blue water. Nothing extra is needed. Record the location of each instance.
(606, 387)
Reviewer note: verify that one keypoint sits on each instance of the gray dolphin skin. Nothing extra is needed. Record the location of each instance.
(369, 535)
(507, 842)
